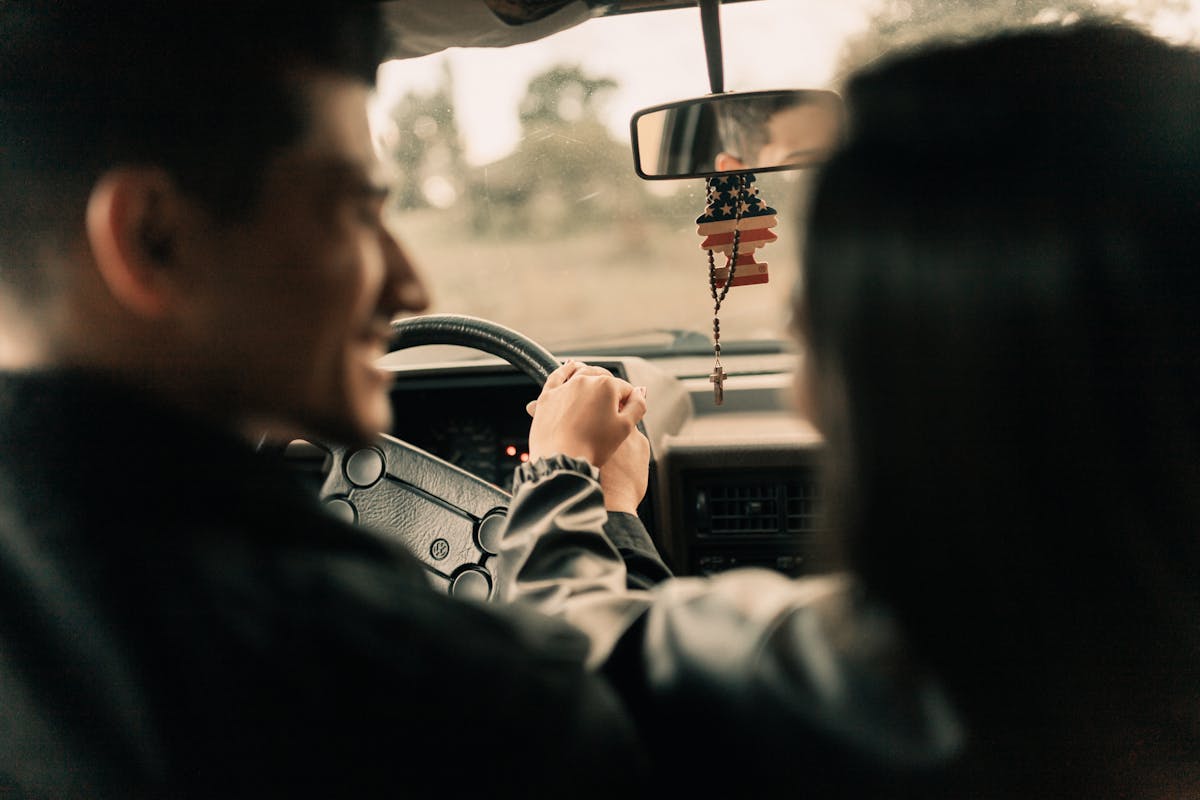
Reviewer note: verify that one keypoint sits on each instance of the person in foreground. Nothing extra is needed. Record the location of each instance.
(192, 248)
(999, 305)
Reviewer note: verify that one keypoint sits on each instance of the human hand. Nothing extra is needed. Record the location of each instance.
(583, 412)
(626, 474)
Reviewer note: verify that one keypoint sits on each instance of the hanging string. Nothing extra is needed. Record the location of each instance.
(739, 192)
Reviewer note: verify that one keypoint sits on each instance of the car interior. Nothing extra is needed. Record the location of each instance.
(550, 185)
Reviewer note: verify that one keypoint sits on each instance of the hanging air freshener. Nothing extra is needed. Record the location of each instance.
(735, 222)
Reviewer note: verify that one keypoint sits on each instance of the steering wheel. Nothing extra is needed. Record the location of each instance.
(450, 519)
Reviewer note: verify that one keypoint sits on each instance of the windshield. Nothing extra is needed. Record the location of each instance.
(516, 194)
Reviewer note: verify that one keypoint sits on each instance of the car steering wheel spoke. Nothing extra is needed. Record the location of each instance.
(450, 519)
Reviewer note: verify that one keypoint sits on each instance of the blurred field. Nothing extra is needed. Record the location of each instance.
(598, 283)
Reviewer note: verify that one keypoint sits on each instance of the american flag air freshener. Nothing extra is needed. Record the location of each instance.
(735, 223)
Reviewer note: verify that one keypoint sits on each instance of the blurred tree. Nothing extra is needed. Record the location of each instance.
(567, 172)
(899, 24)
(562, 94)
(427, 148)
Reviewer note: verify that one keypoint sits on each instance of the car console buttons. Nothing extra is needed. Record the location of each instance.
(343, 509)
(472, 583)
(489, 532)
(365, 467)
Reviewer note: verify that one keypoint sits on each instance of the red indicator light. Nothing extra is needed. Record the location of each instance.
(511, 450)
(524, 457)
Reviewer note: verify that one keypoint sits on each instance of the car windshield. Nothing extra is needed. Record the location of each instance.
(516, 194)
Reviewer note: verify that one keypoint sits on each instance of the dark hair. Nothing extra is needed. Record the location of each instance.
(1002, 305)
(202, 89)
(742, 123)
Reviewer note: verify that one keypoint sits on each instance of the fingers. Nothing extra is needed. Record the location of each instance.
(591, 369)
(564, 373)
(584, 411)
(622, 391)
(641, 390)
(633, 404)
(560, 375)
(531, 406)
(569, 368)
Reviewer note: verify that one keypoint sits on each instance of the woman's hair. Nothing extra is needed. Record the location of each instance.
(1001, 301)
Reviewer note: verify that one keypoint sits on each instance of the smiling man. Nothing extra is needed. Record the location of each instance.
(192, 246)
(298, 292)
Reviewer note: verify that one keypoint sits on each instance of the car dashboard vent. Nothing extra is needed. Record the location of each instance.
(763, 505)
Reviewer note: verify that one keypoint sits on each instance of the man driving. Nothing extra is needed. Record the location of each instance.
(193, 248)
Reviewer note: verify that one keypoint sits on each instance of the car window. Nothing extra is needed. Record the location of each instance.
(516, 193)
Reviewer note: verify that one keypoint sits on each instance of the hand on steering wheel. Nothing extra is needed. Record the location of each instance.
(584, 412)
(624, 473)
(450, 519)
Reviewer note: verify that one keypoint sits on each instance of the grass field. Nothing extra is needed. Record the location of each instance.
(596, 284)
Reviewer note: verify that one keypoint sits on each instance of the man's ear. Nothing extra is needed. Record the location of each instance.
(134, 219)
(727, 162)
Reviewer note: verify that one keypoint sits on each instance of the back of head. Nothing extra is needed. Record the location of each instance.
(1001, 301)
(200, 89)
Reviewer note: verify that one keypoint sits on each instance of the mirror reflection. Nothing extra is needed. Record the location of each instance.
(760, 131)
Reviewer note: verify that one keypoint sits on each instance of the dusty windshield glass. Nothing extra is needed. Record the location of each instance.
(516, 194)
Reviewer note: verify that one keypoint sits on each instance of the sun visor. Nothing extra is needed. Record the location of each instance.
(419, 27)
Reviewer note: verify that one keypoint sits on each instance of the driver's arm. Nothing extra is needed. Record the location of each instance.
(623, 481)
(727, 652)
(744, 667)
(623, 473)
(644, 567)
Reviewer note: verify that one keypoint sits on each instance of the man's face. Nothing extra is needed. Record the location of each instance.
(302, 293)
(801, 135)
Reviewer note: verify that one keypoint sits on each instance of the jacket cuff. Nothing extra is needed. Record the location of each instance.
(534, 471)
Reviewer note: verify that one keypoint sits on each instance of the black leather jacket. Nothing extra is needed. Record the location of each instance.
(746, 678)
(178, 618)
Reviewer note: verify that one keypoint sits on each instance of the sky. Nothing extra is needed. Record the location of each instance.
(656, 58)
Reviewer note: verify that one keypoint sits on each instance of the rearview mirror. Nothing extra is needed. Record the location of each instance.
(736, 132)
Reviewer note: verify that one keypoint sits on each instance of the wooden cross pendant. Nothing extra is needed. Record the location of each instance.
(717, 379)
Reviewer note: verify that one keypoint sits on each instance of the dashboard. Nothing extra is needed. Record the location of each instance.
(731, 485)
(473, 419)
